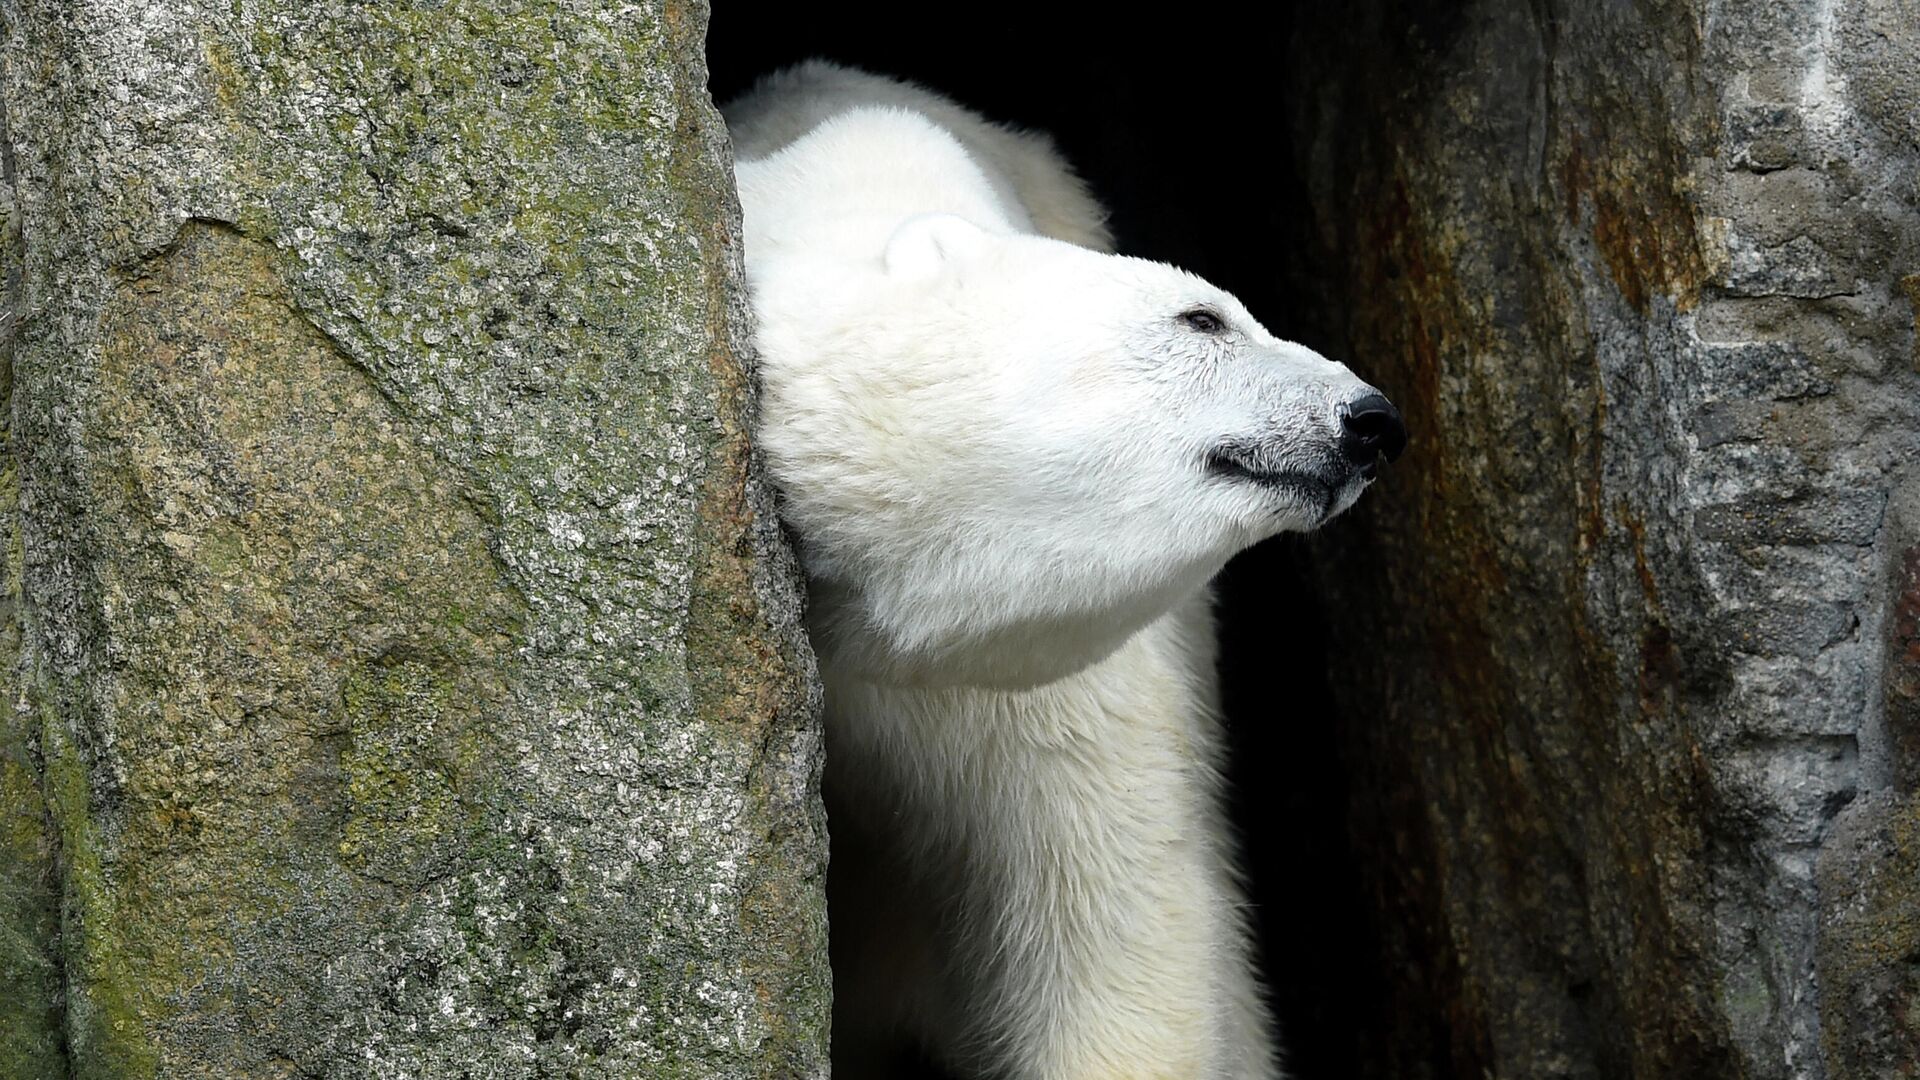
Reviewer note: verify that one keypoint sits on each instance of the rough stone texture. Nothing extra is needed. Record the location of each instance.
(1633, 757)
(30, 1008)
(409, 673)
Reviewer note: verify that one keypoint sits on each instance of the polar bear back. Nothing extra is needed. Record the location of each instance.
(1034, 185)
(839, 192)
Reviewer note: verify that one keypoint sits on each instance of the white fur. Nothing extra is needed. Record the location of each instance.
(1030, 178)
(992, 440)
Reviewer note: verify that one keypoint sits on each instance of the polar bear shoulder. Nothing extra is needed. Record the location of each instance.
(1038, 191)
(840, 191)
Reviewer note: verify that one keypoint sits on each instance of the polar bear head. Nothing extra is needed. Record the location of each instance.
(1003, 454)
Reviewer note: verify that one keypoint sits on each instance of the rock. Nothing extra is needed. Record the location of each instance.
(1869, 956)
(1639, 276)
(411, 680)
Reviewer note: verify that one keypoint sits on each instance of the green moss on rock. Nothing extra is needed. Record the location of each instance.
(31, 1041)
(437, 697)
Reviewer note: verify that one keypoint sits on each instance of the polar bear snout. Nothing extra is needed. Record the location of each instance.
(1371, 429)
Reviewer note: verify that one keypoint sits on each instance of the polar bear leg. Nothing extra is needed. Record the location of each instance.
(1104, 927)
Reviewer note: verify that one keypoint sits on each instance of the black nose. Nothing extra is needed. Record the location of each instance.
(1371, 428)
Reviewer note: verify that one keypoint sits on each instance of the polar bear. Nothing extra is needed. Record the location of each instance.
(1012, 461)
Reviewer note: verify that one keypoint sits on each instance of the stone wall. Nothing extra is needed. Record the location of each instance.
(1634, 748)
(405, 675)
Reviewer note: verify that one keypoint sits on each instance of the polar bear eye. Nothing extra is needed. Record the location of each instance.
(1204, 321)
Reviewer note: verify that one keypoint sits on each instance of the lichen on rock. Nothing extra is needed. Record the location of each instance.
(31, 1040)
(423, 686)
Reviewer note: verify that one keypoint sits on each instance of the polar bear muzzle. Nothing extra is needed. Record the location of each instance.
(1371, 429)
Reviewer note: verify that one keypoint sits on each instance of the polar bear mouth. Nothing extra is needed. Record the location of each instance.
(1315, 489)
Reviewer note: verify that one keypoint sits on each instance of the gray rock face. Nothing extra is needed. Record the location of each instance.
(407, 677)
(1637, 749)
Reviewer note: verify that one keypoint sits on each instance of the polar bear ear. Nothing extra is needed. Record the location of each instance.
(924, 246)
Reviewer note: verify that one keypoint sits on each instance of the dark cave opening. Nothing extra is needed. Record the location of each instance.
(1182, 132)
